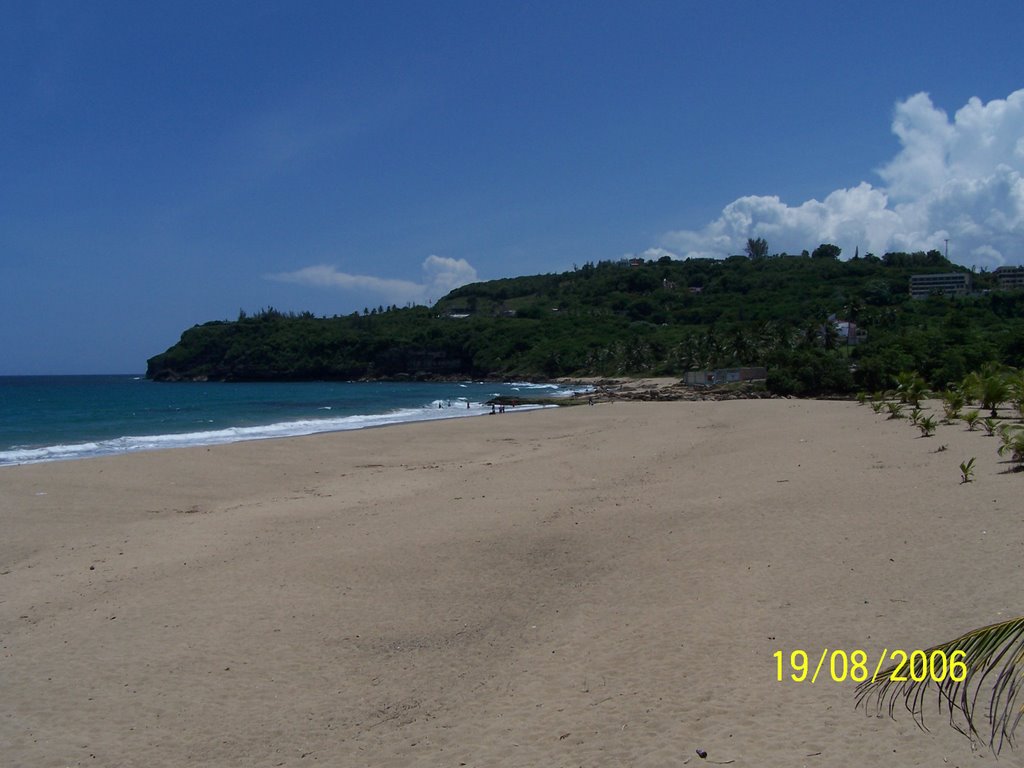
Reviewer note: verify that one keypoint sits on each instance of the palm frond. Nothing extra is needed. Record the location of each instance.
(992, 676)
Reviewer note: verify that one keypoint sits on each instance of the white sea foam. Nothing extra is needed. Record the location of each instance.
(532, 385)
(135, 443)
(556, 390)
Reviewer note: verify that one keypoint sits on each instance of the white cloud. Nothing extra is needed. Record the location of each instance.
(653, 254)
(961, 179)
(440, 275)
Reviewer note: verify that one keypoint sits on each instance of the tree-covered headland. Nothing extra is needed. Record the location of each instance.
(637, 317)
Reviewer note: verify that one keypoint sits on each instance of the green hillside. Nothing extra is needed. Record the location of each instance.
(639, 318)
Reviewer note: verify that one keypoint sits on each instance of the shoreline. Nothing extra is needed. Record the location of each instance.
(458, 406)
(81, 451)
(596, 586)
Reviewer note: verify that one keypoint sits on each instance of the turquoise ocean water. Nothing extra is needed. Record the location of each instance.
(49, 418)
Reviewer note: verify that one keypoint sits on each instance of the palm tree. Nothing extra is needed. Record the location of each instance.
(853, 309)
(772, 335)
(686, 353)
(994, 391)
(709, 347)
(830, 334)
(990, 388)
(757, 248)
(971, 418)
(982, 667)
(742, 345)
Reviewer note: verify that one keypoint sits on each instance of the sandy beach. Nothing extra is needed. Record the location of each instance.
(589, 586)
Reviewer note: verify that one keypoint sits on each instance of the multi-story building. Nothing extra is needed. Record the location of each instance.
(944, 284)
(1009, 278)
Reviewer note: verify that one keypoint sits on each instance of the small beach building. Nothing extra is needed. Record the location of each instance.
(712, 378)
(847, 332)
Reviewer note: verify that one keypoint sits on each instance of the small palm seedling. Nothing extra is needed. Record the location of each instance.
(971, 418)
(1016, 384)
(927, 426)
(1007, 431)
(877, 406)
(895, 410)
(911, 388)
(990, 425)
(915, 416)
(967, 471)
(862, 397)
(1013, 444)
(971, 386)
(952, 403)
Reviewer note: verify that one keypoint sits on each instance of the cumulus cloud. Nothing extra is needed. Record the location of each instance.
(961, 179)
(439, 276)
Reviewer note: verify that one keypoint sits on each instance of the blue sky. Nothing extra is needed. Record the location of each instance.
(166, 164)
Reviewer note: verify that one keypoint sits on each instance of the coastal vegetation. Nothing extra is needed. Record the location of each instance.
(819, 325)
(991, 388)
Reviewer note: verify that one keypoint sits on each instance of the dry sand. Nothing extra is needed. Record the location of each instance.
(594, 586)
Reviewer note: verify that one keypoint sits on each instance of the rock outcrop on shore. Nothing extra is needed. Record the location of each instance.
(670, 389)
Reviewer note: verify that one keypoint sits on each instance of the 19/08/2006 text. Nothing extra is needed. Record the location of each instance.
(839, 666)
